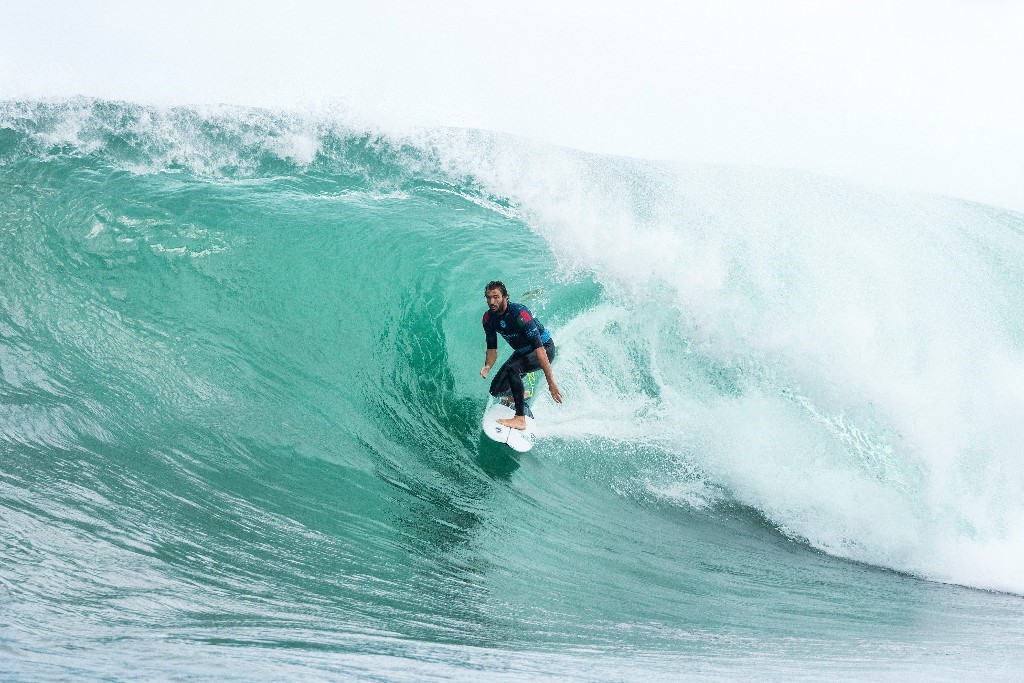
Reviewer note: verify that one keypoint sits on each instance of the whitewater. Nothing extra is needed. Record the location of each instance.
(240, 403)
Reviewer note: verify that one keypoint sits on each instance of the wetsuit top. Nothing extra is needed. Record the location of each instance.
(521, 330)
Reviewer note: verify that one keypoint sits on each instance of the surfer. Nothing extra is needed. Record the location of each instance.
(532, 349)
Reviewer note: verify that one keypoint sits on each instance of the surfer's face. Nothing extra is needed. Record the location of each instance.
(495, 301)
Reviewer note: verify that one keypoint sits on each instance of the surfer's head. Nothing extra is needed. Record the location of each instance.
(496, 295)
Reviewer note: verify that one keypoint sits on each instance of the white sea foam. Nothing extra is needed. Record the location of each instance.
(874, 342)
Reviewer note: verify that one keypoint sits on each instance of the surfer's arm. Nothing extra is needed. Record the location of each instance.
(549, 375)
(492, 346)
(489, 361)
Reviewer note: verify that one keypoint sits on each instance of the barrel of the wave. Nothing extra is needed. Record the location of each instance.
(502, 408)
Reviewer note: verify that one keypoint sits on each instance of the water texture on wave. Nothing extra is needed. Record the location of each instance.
(239, 401)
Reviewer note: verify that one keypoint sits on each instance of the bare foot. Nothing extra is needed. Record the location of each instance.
(517, 422)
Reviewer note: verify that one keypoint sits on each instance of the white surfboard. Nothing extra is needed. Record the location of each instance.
(517, 439)
(499, 409)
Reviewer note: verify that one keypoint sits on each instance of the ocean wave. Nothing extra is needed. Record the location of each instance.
(240, 348)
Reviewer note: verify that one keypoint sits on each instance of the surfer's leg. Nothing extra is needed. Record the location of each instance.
(499, 385)
(510, 371)
(509, 380)
(515, 381)
(509, 377)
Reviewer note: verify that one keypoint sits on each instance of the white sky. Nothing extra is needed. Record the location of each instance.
(921, 95)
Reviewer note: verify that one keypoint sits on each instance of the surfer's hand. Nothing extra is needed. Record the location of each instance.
(484, 370)
(556, 393)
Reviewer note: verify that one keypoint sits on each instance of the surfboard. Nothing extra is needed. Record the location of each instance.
(502, 408)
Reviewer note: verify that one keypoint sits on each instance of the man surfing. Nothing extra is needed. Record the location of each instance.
(531, 344)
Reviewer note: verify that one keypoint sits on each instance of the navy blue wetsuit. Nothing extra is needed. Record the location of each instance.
(525, 335)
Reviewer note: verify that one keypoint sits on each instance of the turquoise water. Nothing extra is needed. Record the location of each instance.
(240, 402)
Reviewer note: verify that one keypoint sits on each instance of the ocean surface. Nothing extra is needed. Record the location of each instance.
(240, 404)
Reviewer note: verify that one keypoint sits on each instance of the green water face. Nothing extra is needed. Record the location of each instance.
(242, 410)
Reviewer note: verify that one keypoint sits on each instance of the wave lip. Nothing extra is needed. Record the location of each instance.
(864, 344)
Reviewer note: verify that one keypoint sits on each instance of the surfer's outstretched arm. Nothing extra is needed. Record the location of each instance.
(489, 361)
(549, 375)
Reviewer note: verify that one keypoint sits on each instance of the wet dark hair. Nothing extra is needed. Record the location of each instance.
(496, 284)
